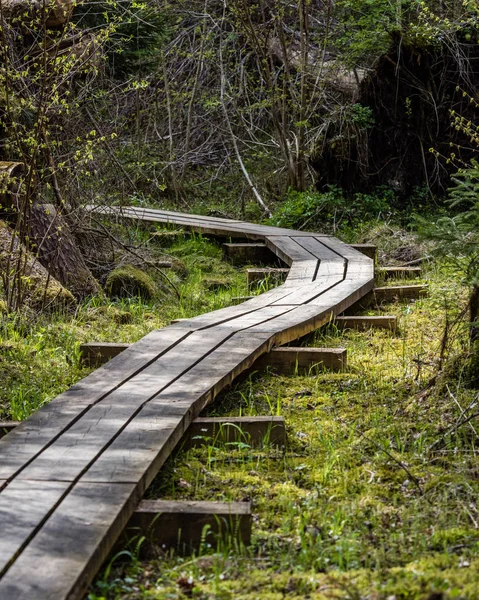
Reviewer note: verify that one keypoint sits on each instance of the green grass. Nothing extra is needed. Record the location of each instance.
(39, 356)
(375, 495)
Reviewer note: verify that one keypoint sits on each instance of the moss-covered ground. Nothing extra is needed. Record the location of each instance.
(39, 353)
(375, 495)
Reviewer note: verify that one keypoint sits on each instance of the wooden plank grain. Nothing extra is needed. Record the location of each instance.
(142, 447)
(65, 554)
(253, 431)
(32, 436)
(76, 448)
(23, 507)
(287, 249)
(184, 525)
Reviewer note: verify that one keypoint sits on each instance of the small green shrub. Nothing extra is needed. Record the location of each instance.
(129, 282)
(331, 210)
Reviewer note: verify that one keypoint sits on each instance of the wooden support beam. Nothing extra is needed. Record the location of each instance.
(255, 276)
(370, 250)
(185, 525)
(399, 272)
(6, 426)
(290, 360)
(400, 292)
(394, 293)
(95, 354)
(284, 360)
(364, 323)
(243, 254)
(240, 299)
(254, 431)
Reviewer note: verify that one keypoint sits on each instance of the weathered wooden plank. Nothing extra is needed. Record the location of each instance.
(27, 440)
(255, 276)
(301, 295)
(369, 250)
(400, 292)
(288, 249)
(301, 272)
(346, 251)
(6, 426)
(64, 555)
(399, 272)
(243, 254)
(362, 323)
(141, 448)
(77, 447)
(23, 507)
(332, 262)
(98, 353)
(253, 431)
(211, 225)
(290, 360)
(296, 323)
(185, 525)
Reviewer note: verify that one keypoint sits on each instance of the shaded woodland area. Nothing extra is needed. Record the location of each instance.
(227, 109)
(341, 137)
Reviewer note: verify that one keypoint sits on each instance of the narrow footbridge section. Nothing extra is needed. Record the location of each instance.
(73, 473)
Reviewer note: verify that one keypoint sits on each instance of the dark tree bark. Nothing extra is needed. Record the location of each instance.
(24, 279)
(474, 313)
(58, 251)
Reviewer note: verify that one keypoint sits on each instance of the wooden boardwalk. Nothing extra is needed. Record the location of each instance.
(73, 473)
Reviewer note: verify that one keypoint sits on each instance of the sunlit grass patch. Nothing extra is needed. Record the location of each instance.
(374, 495)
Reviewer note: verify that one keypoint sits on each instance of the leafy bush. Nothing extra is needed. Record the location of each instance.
(140, 30)
(331, 210)
(457, 234)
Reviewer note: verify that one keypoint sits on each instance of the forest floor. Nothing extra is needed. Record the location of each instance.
(375, 494)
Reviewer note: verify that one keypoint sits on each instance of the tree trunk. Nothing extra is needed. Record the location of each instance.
(58, 251)
(474, 313)
(25, 281)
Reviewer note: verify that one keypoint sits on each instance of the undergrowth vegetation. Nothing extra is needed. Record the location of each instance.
(375, 494)
(39, 354)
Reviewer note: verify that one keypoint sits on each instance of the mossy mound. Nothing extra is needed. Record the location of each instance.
(129, 282)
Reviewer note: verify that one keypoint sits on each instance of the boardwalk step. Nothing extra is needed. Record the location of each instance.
(94, 354)
(401, 292)
(255, 276)
(290, 360)
(364, 323)
(6, 426)
(243, 254)
(283, 360)
(240, 299)
(184, 525)
(253, 431)
(369, 250)
(400, 272)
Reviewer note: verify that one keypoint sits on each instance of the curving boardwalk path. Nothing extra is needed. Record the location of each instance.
(72, 474)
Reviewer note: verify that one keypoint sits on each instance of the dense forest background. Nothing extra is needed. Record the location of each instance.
(315, 114)
(357, 118)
